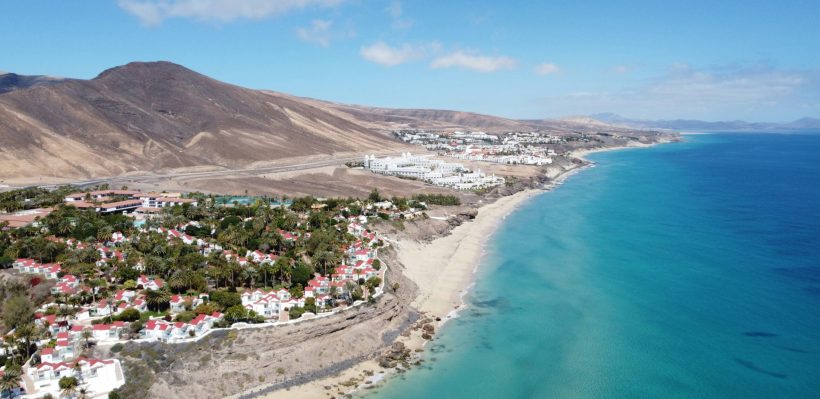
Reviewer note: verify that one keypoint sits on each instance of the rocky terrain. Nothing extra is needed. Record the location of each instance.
(12, 81)
(159, 115)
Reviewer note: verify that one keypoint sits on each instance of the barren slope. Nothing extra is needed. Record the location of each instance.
(151, 116)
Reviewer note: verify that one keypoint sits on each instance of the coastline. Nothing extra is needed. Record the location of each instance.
(441, 295)
(456, 257)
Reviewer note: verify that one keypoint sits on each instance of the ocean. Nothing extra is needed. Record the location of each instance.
(686, 270)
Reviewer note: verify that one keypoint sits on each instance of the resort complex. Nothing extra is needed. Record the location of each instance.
(433, 171)
(511, 148)
(189, 268)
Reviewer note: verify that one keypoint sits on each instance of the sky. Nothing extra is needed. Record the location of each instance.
(651, 59)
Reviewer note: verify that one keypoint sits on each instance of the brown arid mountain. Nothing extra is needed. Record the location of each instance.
(12, 81)
(431, 119)
(388, 119)
(161, 119)
(158, 116)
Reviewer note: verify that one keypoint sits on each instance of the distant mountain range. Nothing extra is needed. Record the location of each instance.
(804, 124)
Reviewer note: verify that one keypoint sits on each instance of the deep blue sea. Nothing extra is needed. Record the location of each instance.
(688, 270)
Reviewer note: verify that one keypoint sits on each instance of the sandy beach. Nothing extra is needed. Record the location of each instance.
(454, 259)
(443, 270)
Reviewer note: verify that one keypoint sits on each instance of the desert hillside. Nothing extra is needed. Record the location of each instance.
(159, 115)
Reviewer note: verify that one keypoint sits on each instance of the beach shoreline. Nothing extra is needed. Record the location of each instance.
(455, 258)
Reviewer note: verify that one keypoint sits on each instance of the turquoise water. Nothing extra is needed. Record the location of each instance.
(688, 270)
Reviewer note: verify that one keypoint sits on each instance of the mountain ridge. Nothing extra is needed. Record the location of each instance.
(802, 124)
(159, 115)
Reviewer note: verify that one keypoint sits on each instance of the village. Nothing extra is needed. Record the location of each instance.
(511, 148)
(109, 266)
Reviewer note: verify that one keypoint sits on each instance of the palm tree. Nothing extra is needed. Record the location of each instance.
(51, 249)
(157, 298)
(64, 227)
(93, 284)
(9, 381)
(104, 233)
(68, 386)
(180, 280)
(26, 332)
(8, 344)
(87, 334)
(78, 371)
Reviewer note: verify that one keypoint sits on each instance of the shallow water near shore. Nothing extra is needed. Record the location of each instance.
(684, 270)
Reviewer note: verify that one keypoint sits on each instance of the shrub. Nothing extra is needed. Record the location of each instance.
(67, 382)
(438, 199)
(129, 315)
(136, 326)
(226, 299)
(206, 308)
(185, 316)
(296, 312)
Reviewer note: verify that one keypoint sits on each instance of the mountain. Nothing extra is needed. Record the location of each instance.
(162, 117)
(804, 124)
(12, 81)
(159, 115)
(431, 119)
(434, 119)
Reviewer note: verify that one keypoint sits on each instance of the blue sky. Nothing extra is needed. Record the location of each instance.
(713, 60)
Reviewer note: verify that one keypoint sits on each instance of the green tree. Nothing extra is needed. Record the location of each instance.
(9, 381)
(374, 195)
(206, 308)
(372, 283)
(17, 311)
(238, 313)
(157, 299)
(26, 332)
(226, 299)
(310, 305)
(296, 312)
(129, 315)
(68, 386)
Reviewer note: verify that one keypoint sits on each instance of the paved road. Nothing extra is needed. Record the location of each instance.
(147, 178)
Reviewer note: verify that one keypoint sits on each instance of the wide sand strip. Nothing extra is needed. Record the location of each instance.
(444, 268)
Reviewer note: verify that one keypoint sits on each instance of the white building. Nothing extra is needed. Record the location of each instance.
(433, 171)
(95, 375)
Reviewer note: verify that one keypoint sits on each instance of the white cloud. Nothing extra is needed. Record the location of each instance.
(547, 69)
(474, 62)
(153, 12)
(381, 53)
(318, 32)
